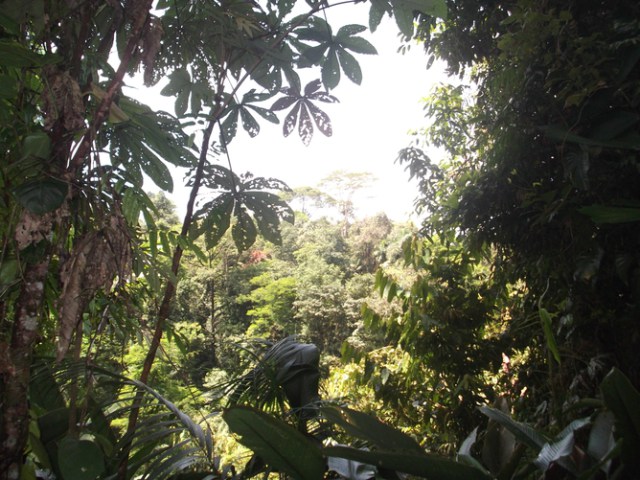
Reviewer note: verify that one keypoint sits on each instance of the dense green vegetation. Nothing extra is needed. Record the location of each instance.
(495, 339)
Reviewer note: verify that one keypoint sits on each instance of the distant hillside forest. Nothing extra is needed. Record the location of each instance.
(271, 333)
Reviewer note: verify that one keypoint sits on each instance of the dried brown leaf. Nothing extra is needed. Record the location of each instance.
(98, 259)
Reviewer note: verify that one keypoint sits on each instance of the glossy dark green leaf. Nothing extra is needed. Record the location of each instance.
(41, 196)
(425, 465)
(623, 400)
(80, 459)
(37, 145)
(278, 444)
(524, 433)
(369, 428)
(611, 214)
(13, 54)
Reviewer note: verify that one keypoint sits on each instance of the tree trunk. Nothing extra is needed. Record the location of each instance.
(16, 370)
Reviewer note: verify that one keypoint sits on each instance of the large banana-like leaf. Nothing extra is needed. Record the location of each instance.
(624, 401)
(424, 465)
(524, 433)
(369, 428)
(277, 443)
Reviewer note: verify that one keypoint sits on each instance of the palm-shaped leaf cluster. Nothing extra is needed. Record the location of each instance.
(247, 201)
(304, 113)
(77, 436)
(332, 51)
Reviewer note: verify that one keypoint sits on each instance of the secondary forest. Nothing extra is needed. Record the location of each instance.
(271, 333)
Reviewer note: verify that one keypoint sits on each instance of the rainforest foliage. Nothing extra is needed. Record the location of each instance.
(496, 338)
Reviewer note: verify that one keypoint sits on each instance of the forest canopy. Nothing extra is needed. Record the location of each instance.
(497, 339)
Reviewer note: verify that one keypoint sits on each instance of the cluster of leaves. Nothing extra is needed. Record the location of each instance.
(81, 251)
(526, 272)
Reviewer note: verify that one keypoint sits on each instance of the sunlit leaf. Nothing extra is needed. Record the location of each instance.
(277, 443)
(371, 429)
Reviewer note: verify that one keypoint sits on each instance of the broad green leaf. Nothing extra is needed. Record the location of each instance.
(347, 31)
(624, 401)
(404, 17)
(350, 66)
(9, 269)
(359, 45)
(8, 86)
(305, 127)
(13, 54)
(80, 459)
(249, 123)
(321, 119)
(264, 113)
(376, 12)
(217, 219)
(182, 102)
(278, 444)
(290, 120)
(244, 231)
(41, 196)
(425, 465)
(616, 123)
(331, 71)
(524, 433)
(229, 127)
(369, 428)
(283, 102)
(315, 54)
(37, 145)
(561, 134)
(351, 469)
(545, 319)
(610, 214)
(155, 168)
(435, 8)
(178, 80)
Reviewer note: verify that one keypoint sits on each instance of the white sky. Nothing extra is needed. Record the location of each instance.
(370, 125)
